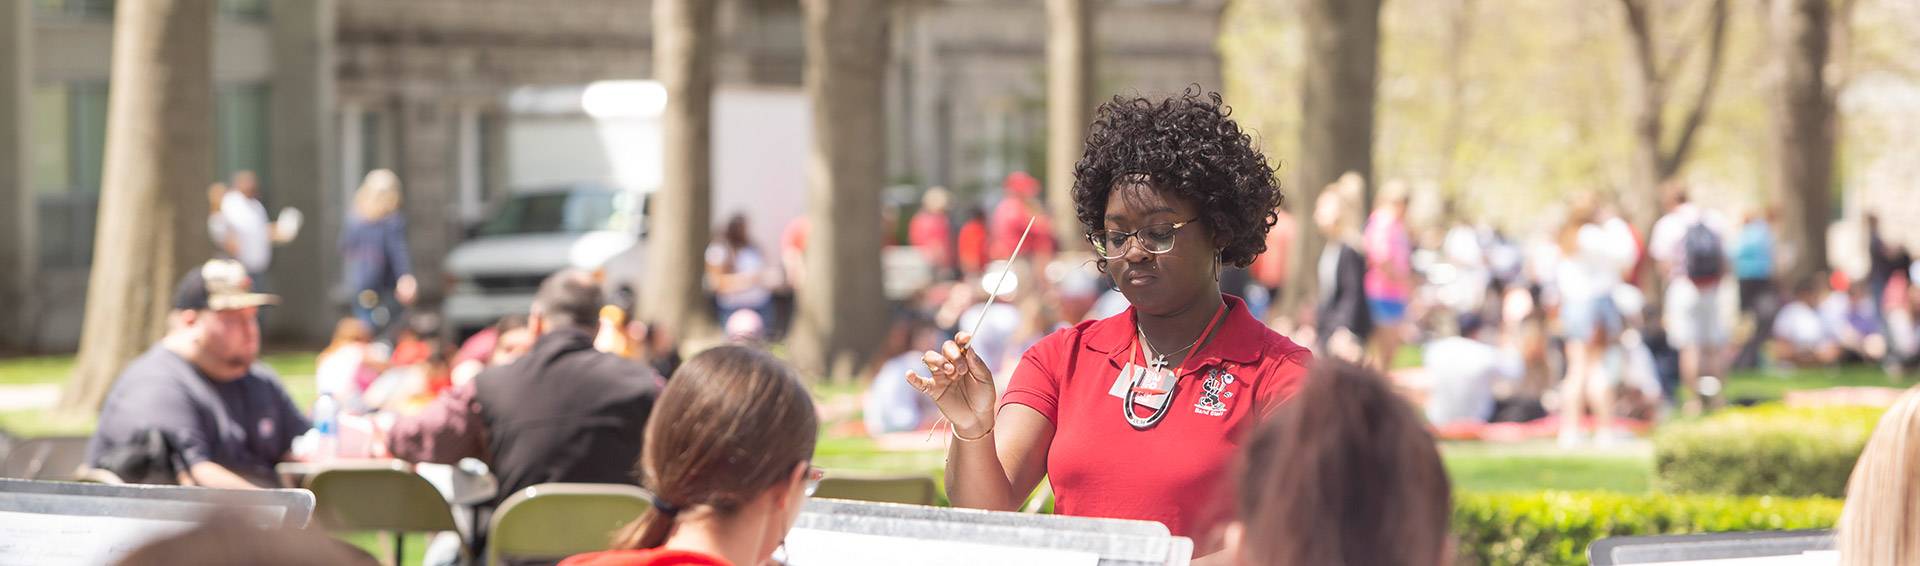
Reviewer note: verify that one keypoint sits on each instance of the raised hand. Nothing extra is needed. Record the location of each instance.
(960, 386)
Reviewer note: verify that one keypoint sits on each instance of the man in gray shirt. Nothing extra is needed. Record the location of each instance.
(224, 416)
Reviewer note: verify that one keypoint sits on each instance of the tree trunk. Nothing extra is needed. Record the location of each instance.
(1069, 107)
(1651, 164)
(678, 225)
(153, 208)
(842, 311)
(1804, 122)
(1336, 133)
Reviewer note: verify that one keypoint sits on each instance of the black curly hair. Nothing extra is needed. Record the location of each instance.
(1188, 146)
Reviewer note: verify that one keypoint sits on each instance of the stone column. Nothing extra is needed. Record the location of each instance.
(19, 255)
(429, 195)
(302, 158)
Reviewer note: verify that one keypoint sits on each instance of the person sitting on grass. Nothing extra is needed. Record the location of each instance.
(891, 405)
(346, 367)
(729, 459)
(497, 345)
(1346, 473)
(1799, 336)
(1878, 523)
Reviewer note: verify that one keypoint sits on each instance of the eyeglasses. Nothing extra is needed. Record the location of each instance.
(1154, 238)
(814, 475)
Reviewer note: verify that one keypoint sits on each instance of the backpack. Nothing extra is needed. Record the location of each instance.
(151, 458)
(1705, 259)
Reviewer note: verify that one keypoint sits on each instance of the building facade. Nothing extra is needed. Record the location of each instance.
(312, 94)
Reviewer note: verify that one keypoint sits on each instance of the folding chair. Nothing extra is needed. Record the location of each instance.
(390, 500)
(48, 458)
(551, 521)
(99, 476)
(1040, 499)
(907, 489)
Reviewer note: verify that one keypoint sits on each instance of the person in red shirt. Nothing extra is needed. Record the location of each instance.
(1139, 415)
(793, 251)
(931, 233)
(1021, 203)
(1270, 268)
(729, 460)
(971, 245)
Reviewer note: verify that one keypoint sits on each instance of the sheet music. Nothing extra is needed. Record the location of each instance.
(851, 549)
(34, 539)
(1808, 558)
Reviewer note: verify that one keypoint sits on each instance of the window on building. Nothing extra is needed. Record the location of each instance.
(51, 171)
(75, 8)
(237, 9)
(244, 9)
(69, 154)
(69, 137)
(240, 116)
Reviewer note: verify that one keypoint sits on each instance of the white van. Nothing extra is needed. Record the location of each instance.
(581, 160)
(534, 233)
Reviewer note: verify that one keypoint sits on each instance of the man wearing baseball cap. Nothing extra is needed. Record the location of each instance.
(224, 417)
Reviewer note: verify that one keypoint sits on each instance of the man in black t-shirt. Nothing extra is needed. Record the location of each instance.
(225, 416)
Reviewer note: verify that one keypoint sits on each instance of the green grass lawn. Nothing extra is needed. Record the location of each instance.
(1476, 466)
(35, 369)
(1772, 385)
(413, 548)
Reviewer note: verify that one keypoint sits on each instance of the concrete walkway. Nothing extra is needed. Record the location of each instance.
(28, 397)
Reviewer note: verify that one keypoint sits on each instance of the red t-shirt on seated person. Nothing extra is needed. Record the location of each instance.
(1177, 472)
(645, 557)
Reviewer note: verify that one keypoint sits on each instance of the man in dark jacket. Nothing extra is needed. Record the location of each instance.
(564, 412)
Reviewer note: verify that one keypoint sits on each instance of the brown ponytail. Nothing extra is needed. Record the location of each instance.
(733, 422)
(1339, 468)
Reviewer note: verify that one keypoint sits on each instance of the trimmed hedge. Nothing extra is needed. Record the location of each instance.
(1765, 450)
(1556, 527)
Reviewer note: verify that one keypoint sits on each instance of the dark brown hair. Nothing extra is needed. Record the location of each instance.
(733, 422)
(570, 298)
(1344, 473)
(228, 539)
(1188, 146)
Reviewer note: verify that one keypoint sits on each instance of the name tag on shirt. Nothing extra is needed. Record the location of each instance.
(1144, 380)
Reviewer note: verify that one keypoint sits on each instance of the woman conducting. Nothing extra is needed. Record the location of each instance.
(1137, 416)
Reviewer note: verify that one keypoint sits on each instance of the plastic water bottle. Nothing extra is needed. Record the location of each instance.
(326, 425)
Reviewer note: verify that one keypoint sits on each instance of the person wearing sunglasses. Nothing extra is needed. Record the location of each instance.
(1138, 415)
(728, 458)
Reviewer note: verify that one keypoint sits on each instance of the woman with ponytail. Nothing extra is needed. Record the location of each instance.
(728, 458)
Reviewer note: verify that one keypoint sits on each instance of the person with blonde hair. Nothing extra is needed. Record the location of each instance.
(373, 248)
(1592, 259)
(1342, 318)
(1879, 523)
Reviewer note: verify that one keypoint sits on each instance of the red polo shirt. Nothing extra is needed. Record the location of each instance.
(1176, 472)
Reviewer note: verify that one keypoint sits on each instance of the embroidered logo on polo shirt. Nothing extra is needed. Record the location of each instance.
(1214, 394)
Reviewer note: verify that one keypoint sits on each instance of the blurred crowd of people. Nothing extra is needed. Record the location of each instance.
(1555, 325)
